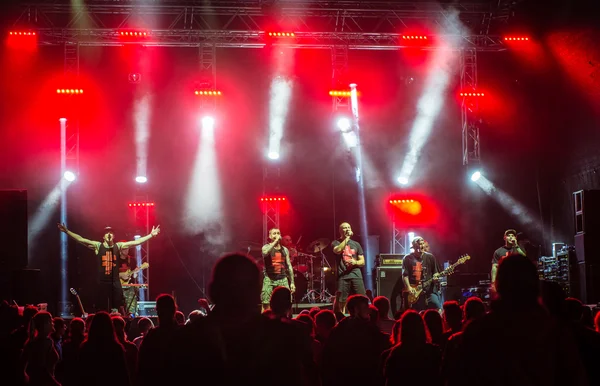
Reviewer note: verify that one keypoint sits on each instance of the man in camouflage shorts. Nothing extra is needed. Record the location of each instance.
(278, 269)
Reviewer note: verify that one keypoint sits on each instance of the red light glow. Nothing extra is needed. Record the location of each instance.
(281, 34)
(208, 93)
(141, 204)
(413, 210)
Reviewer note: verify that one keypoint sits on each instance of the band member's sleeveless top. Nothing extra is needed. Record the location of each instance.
(275, 263)
(108, 269)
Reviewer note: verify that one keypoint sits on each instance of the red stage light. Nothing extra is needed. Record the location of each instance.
(69, 91)
(208, 93)
(472, 94)
(281, 34)
(339, 93)
(134, 34)
(515, 38)
(264, 199)
(414, 37)
(141, 204)
(21, 33)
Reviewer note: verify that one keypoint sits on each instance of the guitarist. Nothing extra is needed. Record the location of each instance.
(351, 258)
(418, 267)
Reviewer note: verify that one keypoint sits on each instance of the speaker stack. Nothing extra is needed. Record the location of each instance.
(587, 245)
(16, 282)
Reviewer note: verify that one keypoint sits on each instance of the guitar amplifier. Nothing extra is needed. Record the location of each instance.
(390, 260)
(146, 309)
(389, 284)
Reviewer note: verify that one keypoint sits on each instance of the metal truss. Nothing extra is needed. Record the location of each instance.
(71, 71)
(400, 244)
(316, 24)
(469, 108)
(207, 55)
(142, 252)
(339, 80)
(271, 209)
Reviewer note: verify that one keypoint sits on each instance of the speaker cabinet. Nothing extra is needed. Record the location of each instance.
(587, 247)
(588, 283)
(389, 284)
(13, 230)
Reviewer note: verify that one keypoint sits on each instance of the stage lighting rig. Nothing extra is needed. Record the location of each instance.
(209, 93)
(133, 35)
(281, 34)
(23, 34)
(69, 91)
(516, 39)
(471, 94)
(274, 198)
(141, 204)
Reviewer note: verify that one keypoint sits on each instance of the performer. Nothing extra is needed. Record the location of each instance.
(278, 268)
(510, 247)
(417, 268)
(109, 291)
(352, 257)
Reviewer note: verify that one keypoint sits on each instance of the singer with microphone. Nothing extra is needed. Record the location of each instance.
(351, 258)
(109, 293)
(277, 268)
(510, 247)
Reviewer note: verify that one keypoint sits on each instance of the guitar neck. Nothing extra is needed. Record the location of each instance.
(446, 272)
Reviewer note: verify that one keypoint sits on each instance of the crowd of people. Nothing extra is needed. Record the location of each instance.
(532, 334)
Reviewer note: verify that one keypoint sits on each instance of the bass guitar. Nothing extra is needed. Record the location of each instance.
(83, 313)
(126, 276)
(412, 299)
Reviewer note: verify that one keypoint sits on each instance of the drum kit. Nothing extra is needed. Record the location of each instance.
(313, 274)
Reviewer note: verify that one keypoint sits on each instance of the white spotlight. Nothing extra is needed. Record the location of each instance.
(273, 155)
(475, 176)
(69, 176)
(344, 125)
(141, 179)
(208, 122)
(402, 180)
(411, 237)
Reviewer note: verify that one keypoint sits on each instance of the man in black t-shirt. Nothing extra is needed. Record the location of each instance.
(417, 268)
(510, 247)
(278, 268)
(109, 294)
(351, 258)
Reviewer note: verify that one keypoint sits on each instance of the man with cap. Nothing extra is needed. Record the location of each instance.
(510, 247)
(109, 292)
(417, 268)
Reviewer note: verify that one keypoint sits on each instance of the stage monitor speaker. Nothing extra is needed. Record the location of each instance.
(13, 230)
(389, 284)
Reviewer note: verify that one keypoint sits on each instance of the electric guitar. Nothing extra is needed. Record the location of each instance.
(83, 313)
(412, 299)
(126, 276)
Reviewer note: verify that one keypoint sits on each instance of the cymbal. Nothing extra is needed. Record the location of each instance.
(317, 245)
